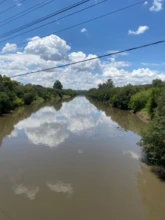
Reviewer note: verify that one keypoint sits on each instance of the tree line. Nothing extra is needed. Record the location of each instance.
(14, 94)
(147, 99)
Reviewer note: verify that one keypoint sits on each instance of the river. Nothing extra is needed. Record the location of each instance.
(76, 160)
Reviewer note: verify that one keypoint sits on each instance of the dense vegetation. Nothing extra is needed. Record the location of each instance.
(13, 94)
(149, 100)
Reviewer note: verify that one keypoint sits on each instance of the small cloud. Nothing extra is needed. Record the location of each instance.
(84, 30)
(146, 3)
(157, 5)
(9, 48)
(18, 3)
(140, 30)
(152, 64)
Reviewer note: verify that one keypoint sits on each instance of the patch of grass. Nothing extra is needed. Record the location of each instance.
(66, 97)
(144, 111)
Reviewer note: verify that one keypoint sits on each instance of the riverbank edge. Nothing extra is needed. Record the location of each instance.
(143, 117)
(40, 100)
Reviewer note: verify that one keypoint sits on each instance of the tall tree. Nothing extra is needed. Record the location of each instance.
(58, 85)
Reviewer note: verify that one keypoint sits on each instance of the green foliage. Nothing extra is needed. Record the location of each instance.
(152, 101)
(122, 96)
(18, 102)
(5, 103)
(109, 84)
(119, 97)
(14, 94)
(157, 83)
(153, 142)
(28, 98)
(139, 100)
(57, 85)
(153, 139)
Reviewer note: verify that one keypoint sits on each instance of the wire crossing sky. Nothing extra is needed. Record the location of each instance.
(94, 58)
(25, 12)
(76, 25)
(43, 19)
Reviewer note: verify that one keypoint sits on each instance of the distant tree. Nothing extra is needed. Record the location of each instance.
(28, 98)
(58, 85)
(157, 82)
(108, 85)
(5, 103)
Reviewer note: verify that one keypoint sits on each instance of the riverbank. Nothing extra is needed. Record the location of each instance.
(145, 118)
(14, 94)
(147, 102)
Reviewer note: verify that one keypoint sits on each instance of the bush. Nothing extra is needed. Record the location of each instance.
(5, 103)
(139, 100)
(153, 139)
(28, 98)
(18, 102)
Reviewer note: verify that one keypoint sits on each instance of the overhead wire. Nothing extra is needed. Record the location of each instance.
(25, 12)
(56, 20)
(13, 6)
(76, 25)
(43, 18)
(2, 2)
(91, 59)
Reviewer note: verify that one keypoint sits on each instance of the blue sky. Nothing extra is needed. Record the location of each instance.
(138, 25)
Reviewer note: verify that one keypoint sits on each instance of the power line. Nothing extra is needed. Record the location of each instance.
(43, 19)
(73, 26)
(25, 12)
(94, 5)
(13, 6)
(94, 58)
(2, 2)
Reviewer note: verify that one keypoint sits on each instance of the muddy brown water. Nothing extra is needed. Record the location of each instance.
(75, 160)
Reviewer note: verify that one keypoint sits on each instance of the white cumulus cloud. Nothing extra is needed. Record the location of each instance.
(83, 30)
(140, 30)
(48, 48)
(50, 51)
(157, 5)
(9, 48)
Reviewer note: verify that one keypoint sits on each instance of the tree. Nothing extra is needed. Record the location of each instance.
(109, 84)
(58, 85)
(153, 139)
(157, 82)
(139, 100)
(5, 103)
(28, 98)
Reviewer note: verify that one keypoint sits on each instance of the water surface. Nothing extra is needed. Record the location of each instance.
(75, 160)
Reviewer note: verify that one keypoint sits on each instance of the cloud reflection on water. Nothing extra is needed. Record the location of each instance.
(50, 127)
(29, 192)
(132, 154)
(60, 187)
